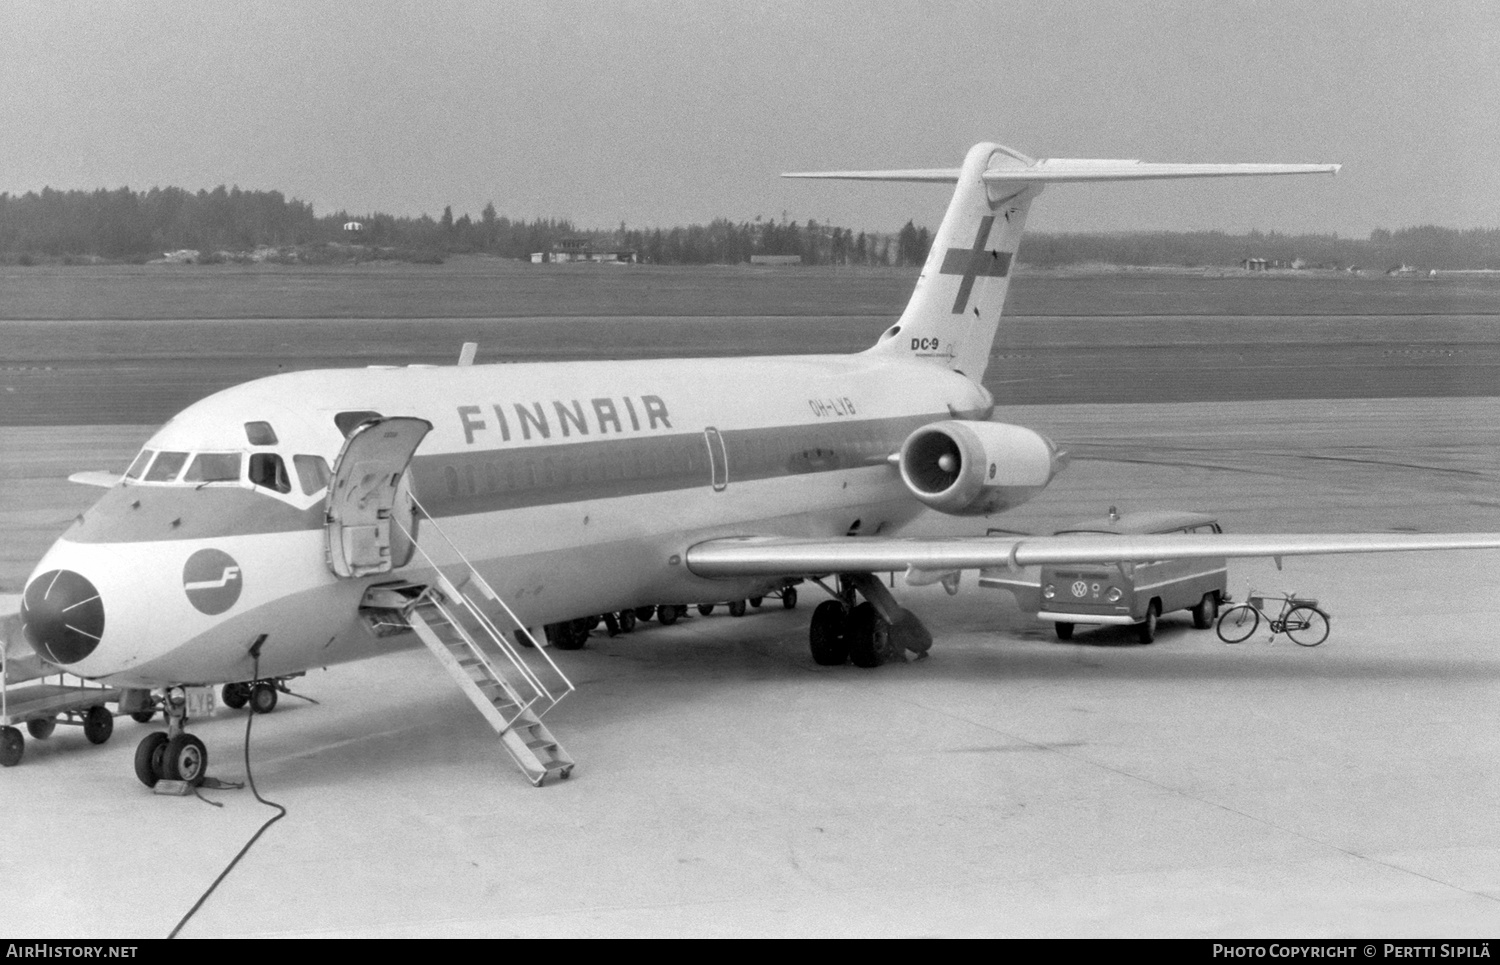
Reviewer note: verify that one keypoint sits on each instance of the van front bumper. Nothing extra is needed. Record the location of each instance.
(1053, 616)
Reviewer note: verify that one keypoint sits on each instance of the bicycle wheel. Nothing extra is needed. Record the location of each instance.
(1237, 623)
(1307, 625)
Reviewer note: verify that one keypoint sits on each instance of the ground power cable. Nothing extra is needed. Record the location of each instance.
(249, 776)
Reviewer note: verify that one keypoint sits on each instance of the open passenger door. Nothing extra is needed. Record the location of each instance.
(367, 495)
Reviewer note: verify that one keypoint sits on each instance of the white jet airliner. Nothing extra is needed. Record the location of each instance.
(311, 518)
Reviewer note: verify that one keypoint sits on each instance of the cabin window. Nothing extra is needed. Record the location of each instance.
(269, 472)
(260, 433)
(450, 477)
(139, 466)
(491, 477)
(166, 467)
(312, 473)
(349, 421)
(208, 467)
(470, 480)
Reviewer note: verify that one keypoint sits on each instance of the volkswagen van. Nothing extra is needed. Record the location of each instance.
(1123, 594)
(1134, 594)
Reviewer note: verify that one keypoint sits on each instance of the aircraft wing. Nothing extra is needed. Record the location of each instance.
(924, 558)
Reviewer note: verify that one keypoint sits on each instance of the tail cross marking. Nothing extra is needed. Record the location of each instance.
(975, 262)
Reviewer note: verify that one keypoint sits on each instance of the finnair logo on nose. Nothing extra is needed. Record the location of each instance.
(212, 580)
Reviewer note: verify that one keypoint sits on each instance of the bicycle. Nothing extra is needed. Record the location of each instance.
(1300, 619)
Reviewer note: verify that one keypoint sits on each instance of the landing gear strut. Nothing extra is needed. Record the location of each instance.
(174, 755)
(866, 634)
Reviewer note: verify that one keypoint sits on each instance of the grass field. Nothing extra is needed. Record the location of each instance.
(481, 287)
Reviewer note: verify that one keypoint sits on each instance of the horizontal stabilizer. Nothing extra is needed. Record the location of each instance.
(786, 556)
(1057, 170)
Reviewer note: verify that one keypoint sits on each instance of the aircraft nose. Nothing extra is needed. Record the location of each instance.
(62, 616)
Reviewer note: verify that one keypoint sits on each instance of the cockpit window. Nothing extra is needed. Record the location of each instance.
(166, 467)
(260, 433)
(312, 473)
(269, 472)
(139, 466)
(209, 467)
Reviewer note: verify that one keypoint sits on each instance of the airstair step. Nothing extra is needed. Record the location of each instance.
(491, 670)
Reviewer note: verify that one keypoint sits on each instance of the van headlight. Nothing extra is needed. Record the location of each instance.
(1049, 591)
(1114, 594)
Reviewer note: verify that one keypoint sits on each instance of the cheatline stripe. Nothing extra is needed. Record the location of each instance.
(487, 479)
(466, 482)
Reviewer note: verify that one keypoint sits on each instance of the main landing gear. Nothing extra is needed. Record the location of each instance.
(174, 755)
(867, 634)
(261, 695)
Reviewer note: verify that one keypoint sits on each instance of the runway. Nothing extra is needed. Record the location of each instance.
(1009, 785)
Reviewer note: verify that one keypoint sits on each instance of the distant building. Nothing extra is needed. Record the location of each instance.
(1255, 264)
(775, 259)
(580, 249)
(354, 227)
(182, 256)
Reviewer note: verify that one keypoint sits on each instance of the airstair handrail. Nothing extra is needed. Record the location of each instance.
(489, 591)
(539, 688)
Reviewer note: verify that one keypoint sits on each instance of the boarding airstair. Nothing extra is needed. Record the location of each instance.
(375, 525)
(471, 630)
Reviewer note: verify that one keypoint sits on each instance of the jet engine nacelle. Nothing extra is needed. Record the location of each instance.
(972, 468)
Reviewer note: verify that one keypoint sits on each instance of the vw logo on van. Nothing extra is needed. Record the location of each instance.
(1080, 588)
(212, 580)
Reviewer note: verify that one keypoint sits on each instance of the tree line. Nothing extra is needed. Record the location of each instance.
(126, 225)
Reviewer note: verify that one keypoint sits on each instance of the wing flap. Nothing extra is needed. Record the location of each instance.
(786, 556)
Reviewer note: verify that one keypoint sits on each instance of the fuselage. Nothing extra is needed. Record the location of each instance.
(574, 488)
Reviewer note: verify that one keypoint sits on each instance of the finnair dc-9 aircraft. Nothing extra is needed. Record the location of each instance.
(317, 517)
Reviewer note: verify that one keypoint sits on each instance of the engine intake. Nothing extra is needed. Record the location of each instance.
(972, 468)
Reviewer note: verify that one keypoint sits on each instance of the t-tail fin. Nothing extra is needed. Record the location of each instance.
(955, 310)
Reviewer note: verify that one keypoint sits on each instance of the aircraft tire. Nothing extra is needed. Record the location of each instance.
(12, 747)
(826, 634)
(569, 635)
(705, 608)
(736, 608)
(143, 716)
(263, 698)
(863, 632)
(789, 598)
(98, 724)
(666, 614)
(235, 695)
(149, 758)
(1207, 611)
(1145, 631)
(756, 601)
(185, 759)
(644, 613)
(1064, 630)
(42, 727)
(627, 621)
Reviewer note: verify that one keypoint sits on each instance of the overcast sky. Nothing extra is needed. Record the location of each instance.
(658, 113)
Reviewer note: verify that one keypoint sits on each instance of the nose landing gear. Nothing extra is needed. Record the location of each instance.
(174, 755)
